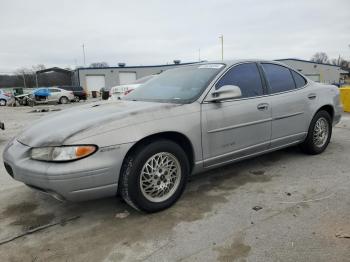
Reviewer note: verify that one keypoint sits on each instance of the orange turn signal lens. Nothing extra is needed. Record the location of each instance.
(82, 151)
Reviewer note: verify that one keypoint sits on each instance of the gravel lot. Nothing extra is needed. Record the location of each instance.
(302, 211)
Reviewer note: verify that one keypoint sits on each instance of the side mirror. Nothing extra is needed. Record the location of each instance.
(224, 93)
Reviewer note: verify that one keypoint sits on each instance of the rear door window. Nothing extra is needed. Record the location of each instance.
(246, 77)
(279, 78)
(54, 90)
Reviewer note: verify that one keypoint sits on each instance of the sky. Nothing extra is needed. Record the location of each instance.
(52, 32)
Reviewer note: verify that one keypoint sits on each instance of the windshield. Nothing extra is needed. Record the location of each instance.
(179, 85)
(143, 80)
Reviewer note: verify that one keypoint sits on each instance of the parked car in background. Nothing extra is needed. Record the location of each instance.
(117, 92)
(186, 120)
(50, 95)
(4, 97)
(78, 92)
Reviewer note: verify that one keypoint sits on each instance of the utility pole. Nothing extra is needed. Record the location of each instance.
(36, 80)
(24, 80)
(84, 54)
(222, 46)
(199, 54)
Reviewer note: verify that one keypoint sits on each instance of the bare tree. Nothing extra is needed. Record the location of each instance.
(340, 62)
(320, 57)
(38, 67)
(99, 64)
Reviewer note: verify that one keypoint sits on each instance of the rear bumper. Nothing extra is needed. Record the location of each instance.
(337, 114)
(89, 178)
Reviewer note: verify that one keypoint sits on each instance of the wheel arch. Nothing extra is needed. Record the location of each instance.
(328, 108)
(177, 137)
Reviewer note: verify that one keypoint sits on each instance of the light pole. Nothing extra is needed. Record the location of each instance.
(222, 46)
(84, 54)
(199, 54)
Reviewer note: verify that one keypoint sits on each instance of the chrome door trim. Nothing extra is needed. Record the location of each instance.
(240, 125)
(288, 115)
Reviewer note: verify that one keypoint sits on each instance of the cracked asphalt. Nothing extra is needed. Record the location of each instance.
(283, 206)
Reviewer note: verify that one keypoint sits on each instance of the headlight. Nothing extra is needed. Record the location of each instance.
(62, 153)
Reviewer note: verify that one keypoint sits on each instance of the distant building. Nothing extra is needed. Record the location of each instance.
(93, 79)
(323, 73)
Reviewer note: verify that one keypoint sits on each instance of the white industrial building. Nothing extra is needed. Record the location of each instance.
(323, 73)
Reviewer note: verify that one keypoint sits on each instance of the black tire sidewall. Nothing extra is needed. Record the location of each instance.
(139, 159)
(309, 145)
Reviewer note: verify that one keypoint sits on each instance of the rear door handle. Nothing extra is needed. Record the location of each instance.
(311, 96)
(263, 106)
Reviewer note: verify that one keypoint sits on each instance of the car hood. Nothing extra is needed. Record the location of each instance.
(55, 129)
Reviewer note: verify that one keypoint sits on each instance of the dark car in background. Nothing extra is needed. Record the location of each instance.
(78, 92)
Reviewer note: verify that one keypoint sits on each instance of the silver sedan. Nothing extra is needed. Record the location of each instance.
(186, 120)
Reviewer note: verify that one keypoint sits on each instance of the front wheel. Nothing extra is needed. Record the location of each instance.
(3, 102)
(319, 134)
(153, 177)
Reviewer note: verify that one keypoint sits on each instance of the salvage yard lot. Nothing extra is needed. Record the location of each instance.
(284, 206)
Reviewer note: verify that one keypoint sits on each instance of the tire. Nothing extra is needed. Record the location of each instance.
(3, 102)
(139, 189)
(317, 141)
(64, 100)
(76, 99)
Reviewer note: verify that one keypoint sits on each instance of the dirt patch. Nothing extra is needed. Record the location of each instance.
(30, 221)
(24, 215)
(19, 209)
(236, 250)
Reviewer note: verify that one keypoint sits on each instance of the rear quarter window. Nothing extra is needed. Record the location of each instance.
(299, 80)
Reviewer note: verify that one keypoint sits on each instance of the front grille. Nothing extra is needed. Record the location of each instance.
(9, 169)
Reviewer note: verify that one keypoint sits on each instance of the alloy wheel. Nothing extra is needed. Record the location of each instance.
(321, 132)
(160, 177)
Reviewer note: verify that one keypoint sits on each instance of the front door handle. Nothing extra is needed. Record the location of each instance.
(263, 106)
(311, 96)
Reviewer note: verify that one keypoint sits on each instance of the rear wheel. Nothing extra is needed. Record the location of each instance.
(153, 177)
(63, 100)
(319, 134)
(3, 102)
(76, 99)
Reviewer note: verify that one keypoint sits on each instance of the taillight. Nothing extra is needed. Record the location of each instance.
(128, 91)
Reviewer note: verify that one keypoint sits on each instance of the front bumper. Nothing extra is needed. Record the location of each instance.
(90, 178)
